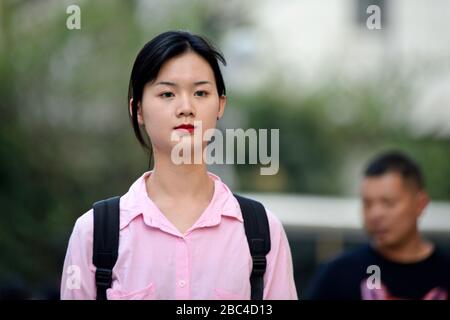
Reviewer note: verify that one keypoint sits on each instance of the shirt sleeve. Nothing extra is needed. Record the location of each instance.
(78, 277)
(279, 277)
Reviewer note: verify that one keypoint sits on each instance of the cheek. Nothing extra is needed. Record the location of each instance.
(156, 119)
(209, 113)
(403, 218)
(153, 109)
(208, 123)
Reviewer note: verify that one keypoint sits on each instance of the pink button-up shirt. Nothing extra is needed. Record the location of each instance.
(211, 260)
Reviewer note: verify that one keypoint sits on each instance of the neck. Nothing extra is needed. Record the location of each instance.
(412, 250)
(179, 181)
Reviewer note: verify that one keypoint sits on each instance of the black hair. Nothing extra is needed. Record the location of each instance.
(397, 162)
(154, 54)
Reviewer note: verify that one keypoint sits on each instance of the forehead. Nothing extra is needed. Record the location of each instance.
(391, 183)
(189, 66)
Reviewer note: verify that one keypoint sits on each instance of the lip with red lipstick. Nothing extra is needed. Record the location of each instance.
(189, 127)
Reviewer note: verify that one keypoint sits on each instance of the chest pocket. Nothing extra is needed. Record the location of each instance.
(148, 293)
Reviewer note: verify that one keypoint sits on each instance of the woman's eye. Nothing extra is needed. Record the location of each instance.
(201, 93)
(167, 94)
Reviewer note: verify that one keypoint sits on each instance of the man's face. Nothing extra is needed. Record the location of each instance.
(391, 208)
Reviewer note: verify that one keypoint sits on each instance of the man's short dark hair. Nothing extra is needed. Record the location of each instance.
(396, 162)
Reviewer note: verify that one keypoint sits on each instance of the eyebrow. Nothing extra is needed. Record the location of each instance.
(202, 82)
(173, 84)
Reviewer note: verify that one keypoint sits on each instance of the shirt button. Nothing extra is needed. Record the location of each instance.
(181, 283)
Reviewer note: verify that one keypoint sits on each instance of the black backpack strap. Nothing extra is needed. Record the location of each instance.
(106, 242)
(257, 231)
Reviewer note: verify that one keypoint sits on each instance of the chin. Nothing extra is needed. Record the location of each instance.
(383, 242)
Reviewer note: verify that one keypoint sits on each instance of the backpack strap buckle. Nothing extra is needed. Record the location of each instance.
(103, 277)
(259, 265)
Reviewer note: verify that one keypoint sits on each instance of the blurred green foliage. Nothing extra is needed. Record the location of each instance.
(328, 136)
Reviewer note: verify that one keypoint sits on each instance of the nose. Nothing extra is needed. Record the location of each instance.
(185, 108)
(375, 215)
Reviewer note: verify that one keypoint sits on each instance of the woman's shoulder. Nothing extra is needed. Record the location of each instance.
(275, 225)
(277, 232)
(85, 223)
(274, 221)
(129, 202)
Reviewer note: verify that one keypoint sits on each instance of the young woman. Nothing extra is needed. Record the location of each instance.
(181, 228)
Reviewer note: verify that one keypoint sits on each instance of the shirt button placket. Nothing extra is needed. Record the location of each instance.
(182, 270)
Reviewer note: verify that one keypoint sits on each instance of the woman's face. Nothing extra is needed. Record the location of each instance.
(183, 92)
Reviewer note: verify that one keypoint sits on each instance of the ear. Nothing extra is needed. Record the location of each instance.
(422, 201)
(222, 104)
(139, 112)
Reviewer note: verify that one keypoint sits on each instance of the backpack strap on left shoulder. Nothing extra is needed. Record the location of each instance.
(257, 230)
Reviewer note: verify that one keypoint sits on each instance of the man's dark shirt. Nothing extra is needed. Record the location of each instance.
(348, 277)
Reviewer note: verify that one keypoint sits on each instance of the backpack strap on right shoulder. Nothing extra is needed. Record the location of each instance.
(257, 231)
(106, 242)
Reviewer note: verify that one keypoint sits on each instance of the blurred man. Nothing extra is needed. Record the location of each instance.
(398, 263)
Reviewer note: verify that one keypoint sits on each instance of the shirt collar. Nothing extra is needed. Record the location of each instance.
(137, 202)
